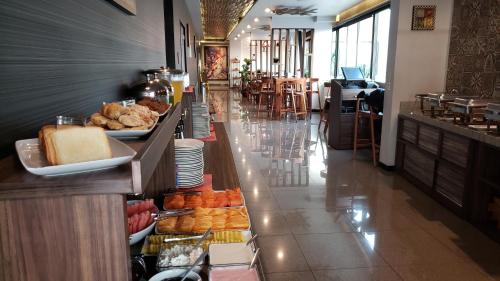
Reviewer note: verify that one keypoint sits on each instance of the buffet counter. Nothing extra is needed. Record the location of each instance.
(456, 165)
(74, 227)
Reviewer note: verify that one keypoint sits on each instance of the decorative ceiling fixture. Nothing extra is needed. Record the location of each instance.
(219, 18)
(294, 10)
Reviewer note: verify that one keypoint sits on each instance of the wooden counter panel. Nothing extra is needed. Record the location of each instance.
(219, 160)
(163, 176)
(16, 182)
(64, 238)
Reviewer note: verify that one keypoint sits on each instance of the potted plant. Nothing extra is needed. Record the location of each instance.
(245, 74)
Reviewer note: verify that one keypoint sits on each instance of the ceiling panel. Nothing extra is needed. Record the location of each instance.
(220, 17)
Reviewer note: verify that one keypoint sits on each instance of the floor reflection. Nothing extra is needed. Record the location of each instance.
(322, 216)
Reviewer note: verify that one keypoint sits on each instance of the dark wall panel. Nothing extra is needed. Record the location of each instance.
(67, 57)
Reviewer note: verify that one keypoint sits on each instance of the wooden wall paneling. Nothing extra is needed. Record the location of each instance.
(67, 57)
(428, 139)
(64, 238)
(163, 177)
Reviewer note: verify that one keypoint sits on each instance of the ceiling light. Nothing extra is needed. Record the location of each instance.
(256, 19)
(239, 35)
(267, 10)
(243, 31)
(249, 26)
(235, 38)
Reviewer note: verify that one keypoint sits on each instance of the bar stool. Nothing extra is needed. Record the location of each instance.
(362, 113)
(291, 93)
(323, 114)
(268, 92)
(299, 97)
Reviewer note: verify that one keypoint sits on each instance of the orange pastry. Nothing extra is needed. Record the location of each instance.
(174, 202)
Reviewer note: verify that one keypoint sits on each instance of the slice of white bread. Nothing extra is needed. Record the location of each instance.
(76, 144)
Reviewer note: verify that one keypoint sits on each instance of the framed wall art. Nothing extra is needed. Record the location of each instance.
(216, 62)
(424, 17)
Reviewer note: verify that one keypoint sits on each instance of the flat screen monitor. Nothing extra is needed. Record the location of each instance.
(352, 74)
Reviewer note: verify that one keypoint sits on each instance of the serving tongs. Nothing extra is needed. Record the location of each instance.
(174, 213)
(200, 237)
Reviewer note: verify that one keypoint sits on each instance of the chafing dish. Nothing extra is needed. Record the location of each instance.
(470, 111)
(492, 115)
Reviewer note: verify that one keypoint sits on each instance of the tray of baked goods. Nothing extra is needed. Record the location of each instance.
(204, 199)
(120, 121)
(197, 221)
(152, 243)
(69, 149)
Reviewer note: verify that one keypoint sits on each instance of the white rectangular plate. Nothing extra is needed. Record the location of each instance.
(33, 159)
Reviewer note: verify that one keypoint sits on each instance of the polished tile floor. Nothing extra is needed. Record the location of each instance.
(322, 216)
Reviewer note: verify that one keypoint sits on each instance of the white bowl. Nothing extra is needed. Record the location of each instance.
(174, 273)
(138, 236)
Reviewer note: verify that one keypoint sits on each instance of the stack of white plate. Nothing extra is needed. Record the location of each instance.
(189, 161)
(201, 120)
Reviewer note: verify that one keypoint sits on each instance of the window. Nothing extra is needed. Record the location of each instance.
(362, 44)
(381, 45)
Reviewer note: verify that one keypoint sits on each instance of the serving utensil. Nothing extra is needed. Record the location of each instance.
(167, 240)
(254, 259)
(198, 260)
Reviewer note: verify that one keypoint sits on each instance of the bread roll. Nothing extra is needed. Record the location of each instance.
(113, 110)
(75, 144)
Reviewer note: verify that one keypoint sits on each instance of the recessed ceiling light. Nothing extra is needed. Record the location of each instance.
(239, 35)
(267, 10)
(256, 19)
(235, 38)
(249, 26)
(243, 31)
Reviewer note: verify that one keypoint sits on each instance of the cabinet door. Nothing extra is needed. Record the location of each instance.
(428, 139)
(419, 165)
(450, 183)
(455, 149)
(409, 131)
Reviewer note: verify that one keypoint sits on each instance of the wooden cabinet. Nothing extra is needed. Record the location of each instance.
(461, 173)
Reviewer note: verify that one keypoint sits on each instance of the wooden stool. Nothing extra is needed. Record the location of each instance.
(291, 93)
(324, 111)
(312, 89)
(371, 117)
(266, 91)
(324, 115)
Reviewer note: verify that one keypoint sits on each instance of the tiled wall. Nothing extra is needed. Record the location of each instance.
(474, 56)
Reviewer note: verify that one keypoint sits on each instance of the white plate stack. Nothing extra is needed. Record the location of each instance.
(189, 161)
(201, 120)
